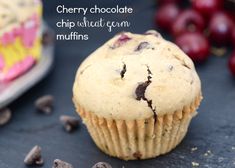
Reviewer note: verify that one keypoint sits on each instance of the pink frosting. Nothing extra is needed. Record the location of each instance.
(17, 31)
(1, 62)
(7, 38)
(29, 32)
(19, 68)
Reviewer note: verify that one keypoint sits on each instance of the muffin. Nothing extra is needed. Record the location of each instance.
(136, 95)
(20, 37)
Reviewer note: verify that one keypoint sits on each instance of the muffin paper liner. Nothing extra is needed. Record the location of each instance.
(139, 139)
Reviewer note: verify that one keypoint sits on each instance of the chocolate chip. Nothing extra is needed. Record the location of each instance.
(5, 116)
(34, 157)
(70, 123)
(122, 73)
(102, 165)
(45, 104)
(170, 67)
(149, 72)
(61, 164)
(142, 46)
(140, 90)
(140, 93)
(150, 105)
(120, 41)
(137, 155)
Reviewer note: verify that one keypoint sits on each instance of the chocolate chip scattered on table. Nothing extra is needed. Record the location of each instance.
(102, 165)
(5, 116)
(61, 164)
(44, 104)
(34, 157)
(70, 123)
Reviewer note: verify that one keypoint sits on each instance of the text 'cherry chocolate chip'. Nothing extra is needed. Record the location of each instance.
(70, 123)
(34, 157)
(61, 164)
(5, 116)
(45, 104)
(102, 165)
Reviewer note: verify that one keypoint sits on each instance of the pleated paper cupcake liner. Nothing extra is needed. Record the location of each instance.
(139, 139)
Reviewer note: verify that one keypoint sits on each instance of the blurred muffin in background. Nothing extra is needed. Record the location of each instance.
(20, 37)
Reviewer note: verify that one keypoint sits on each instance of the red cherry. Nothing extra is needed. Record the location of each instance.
(123, 38)
(195, 45)
(207, 7)
(165, 16)
(231, 63)
(220, 28)
(188, 21)
(163, 2)
(233, 36)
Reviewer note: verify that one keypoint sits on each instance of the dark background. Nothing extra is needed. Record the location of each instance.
(213, 129)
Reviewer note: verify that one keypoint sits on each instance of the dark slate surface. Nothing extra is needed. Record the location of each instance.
(213, 129)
